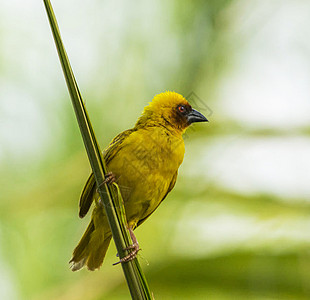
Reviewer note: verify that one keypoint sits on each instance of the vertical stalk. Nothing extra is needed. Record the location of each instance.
(133, 273)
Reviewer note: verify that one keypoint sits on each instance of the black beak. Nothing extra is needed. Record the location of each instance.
(195, 116)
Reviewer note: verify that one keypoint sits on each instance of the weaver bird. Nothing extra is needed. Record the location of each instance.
(144, 161)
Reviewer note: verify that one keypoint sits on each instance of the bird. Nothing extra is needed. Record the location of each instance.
(144, 162)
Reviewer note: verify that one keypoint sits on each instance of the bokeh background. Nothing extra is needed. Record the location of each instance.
(237, 225)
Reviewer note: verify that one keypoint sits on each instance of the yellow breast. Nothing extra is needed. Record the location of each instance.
(145, 167)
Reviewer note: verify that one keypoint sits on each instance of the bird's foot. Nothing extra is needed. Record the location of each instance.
(132, 255)
(109, 178)
(134, 247)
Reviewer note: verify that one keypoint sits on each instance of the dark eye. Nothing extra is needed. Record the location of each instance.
(182, 109)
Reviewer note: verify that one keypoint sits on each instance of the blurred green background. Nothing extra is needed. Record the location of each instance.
(237, 224)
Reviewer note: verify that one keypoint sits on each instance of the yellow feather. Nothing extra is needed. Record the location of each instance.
(145, 162)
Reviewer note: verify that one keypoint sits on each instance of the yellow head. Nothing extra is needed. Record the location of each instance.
(171, 110)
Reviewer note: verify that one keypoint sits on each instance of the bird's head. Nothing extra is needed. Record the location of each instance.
(171, 110)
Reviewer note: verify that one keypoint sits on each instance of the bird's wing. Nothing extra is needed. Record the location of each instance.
(87, 195)
(171, 186)
(89, 190)
(116, 145)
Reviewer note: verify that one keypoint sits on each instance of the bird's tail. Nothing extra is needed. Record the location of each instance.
(91, 249)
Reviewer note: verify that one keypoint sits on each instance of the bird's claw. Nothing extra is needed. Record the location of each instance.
(132, 255)
(109, 178)
(134, 246)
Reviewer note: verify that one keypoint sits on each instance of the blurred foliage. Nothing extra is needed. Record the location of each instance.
(205, 241)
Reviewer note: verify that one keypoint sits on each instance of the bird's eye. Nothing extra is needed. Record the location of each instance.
(182, 109)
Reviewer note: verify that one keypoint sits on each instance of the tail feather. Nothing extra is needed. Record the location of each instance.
(91, 249)
(79, 253)
(96, 257)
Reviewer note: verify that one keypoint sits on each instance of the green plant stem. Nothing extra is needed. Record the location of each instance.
(133, 273)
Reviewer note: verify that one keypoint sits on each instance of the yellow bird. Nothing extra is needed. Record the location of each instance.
(144, 162)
